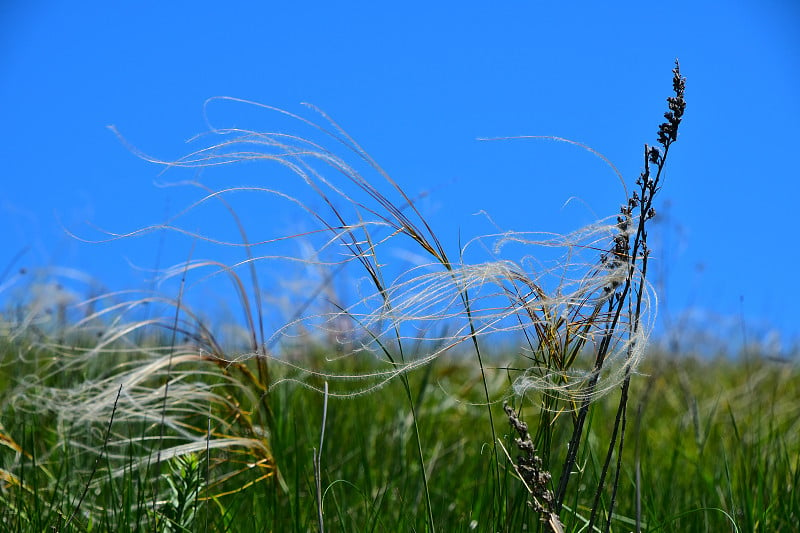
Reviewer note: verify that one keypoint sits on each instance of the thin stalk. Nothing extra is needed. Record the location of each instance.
(474, 337)
(318, 461)
(96, 461)
(618, 471)
(173, 339)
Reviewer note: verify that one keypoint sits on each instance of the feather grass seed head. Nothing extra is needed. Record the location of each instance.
(363, 215)
(578, 306)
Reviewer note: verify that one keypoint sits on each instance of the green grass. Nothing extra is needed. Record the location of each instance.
(716, 444)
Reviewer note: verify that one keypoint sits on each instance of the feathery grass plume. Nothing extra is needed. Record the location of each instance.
(359, 214)
(582, 317)
(559, 309)
(213, 406)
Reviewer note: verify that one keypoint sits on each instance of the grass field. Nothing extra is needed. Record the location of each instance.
(715, 446)
(391, 407)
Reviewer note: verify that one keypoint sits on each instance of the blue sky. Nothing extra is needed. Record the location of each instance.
(416, 84)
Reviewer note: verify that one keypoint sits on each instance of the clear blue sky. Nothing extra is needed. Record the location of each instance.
(416, 83)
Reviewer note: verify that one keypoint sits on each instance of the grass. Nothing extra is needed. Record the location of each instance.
(717, 449)
(384, 411)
